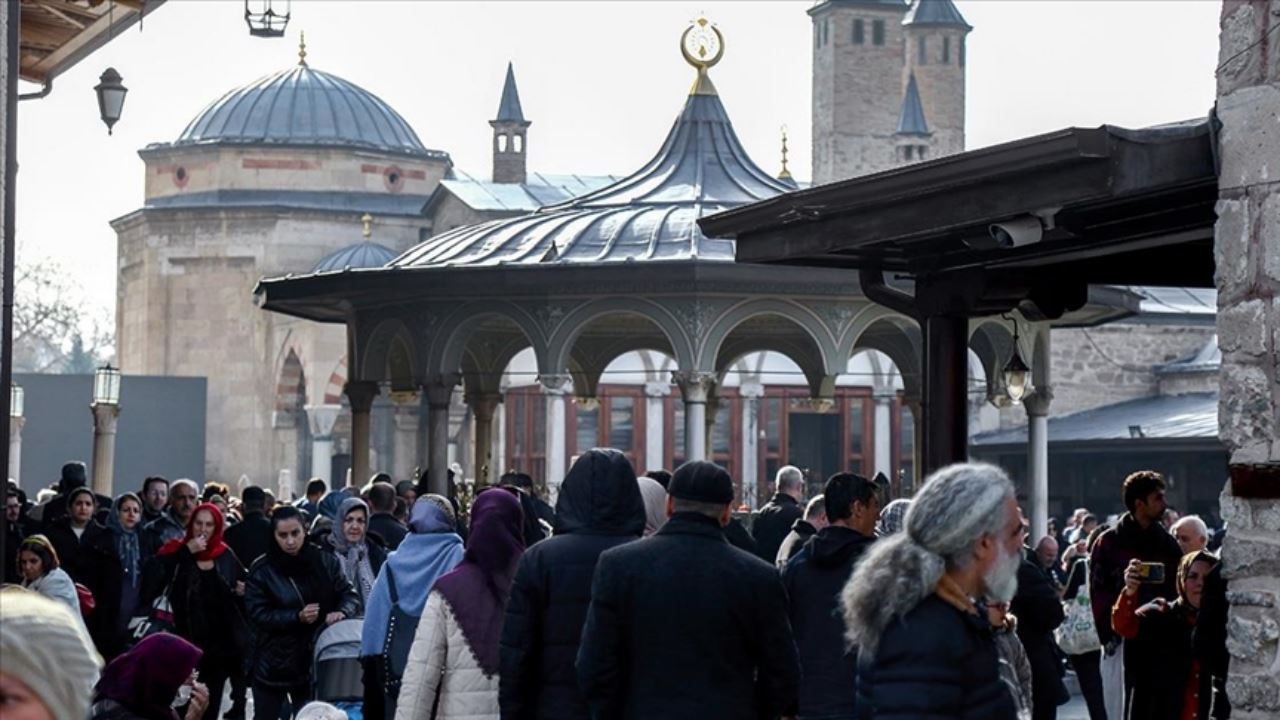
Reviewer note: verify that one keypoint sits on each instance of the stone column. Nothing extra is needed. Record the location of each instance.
(105, 418)
(483, 408)
(882, 429)
(320, 420)
(655, 424)
(1247, 249)
(917, 454)
(15, 448)
(709, 420)
(1037, 406)
(695, 388)
(360, 395)
(439, 392)
(499, 453)
(407, 453)
(750, 391)
(556, 388)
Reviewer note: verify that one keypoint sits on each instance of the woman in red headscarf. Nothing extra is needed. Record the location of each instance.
(205, 583)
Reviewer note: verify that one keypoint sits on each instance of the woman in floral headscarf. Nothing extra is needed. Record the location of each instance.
(359, 556)
(205, 582)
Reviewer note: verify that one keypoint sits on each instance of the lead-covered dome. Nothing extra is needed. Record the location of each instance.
(303, 106)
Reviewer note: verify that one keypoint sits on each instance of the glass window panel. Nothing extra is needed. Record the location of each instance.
(622, 423)
(588, 429)
(720, 433)
(773, 425)
(856, 410)
(517, 424)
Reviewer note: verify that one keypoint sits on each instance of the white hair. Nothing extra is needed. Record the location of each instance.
(817, 506)
(953, 510)
(320, 711)
(1196, 524)
(185, 481)
(789, 477)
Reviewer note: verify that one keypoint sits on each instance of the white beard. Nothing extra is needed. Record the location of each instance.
(1001, 580)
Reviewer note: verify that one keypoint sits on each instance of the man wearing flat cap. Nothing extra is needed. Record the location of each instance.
(684, 625)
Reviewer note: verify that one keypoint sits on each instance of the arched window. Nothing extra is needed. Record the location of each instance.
(502, 143)
(517, 143)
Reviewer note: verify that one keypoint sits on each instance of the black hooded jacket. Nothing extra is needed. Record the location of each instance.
(599, 507)
(813, 580)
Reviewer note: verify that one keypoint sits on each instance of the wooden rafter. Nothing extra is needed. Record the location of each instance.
(55, 34)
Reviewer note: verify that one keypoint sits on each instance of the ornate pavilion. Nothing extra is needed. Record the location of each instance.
(623, 269)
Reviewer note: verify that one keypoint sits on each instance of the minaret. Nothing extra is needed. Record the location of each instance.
(509, 156)
(857, 86)
(935, 57)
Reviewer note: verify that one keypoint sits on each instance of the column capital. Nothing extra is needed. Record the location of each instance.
(484, 404)
(360, 393)
(1037, 403)
(884, 395)
(321, 419)
(694, 385)
(439, 390)
(15, 426)
(556, 384)
(751, 389)
(657, 389)
(105, 418)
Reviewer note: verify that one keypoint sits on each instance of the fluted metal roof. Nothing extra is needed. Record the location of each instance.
(304, 106)
(649, 215)
(365, 254)
(935, 12)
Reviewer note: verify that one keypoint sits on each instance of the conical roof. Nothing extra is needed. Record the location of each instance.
(911, 120)
(935, 12)
(650, 215)
(509, 110)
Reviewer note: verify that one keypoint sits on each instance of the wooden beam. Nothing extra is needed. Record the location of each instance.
(70, 8)
(67, 18)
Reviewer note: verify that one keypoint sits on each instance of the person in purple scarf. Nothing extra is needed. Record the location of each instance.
(149, 681)
(455, 650)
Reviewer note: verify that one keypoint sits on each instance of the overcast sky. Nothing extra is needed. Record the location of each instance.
(601, 82)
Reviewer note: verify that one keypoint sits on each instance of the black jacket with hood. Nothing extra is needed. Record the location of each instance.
(599, 507)
(813, 580)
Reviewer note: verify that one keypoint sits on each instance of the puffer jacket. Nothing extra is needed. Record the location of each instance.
(282, 643)
(599, 507)
(441, 662)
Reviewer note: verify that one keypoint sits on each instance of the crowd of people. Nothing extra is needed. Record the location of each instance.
(636, 597)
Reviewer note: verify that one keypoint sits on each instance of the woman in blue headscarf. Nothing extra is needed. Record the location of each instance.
(432, 549)
(122, 553)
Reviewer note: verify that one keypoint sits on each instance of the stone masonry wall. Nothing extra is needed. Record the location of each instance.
(1248, 278)
(940, 80)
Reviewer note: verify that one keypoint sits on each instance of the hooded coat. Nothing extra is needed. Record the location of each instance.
(813, 580)
(599, 507)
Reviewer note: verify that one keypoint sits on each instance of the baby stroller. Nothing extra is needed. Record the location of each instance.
(337, 671)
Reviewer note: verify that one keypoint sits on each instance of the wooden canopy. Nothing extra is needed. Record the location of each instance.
(56, 34)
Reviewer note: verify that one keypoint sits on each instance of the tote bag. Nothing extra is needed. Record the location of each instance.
(157, 619)
(1078, 634)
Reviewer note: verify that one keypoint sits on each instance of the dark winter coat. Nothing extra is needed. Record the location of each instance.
(937, 662)
(386, 526)
(249, 538)
(684, 625)
(1160, 683)
(161, 530)
(1039, 613)
(179, 573)
(1111, 555)
(109, 621)
(736, 533)
(282, 643)
(791, 545)
(773, 523)
(77, 555)
(599, 507)
(813, 580)
(112, 710)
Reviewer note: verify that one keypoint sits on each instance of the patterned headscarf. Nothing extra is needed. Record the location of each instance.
(127, 548)
(353, 557)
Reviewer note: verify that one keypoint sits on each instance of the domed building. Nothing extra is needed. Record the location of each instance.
(272, 178)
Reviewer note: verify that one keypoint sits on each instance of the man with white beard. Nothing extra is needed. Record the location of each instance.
(914, 606)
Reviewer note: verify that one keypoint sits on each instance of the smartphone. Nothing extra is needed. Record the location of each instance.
(1151, 572)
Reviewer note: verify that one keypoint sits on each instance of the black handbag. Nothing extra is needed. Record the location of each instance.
(401, 627)
(156, 618)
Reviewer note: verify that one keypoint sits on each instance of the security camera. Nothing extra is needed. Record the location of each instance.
(1017, 232)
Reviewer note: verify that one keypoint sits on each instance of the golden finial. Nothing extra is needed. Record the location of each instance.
(302, 48)
(702, 45)
(785, 174)
(368, 225)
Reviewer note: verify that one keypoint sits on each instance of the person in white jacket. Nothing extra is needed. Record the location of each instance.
(455, 650)
(38, 562)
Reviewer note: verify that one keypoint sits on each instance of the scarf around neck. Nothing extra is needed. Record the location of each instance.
(353, 557)
(214, 547)
(127, 548)
(477, 590)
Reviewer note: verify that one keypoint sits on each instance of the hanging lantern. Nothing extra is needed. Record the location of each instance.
(111, 94)
(106, 386)
(1017, 376)
(264, 20)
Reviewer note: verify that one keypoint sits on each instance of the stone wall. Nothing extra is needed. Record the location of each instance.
(1248, 278)
(940, 80)
(857, 91)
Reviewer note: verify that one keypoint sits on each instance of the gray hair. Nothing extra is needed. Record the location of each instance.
(953, 510)
(321, 711)
(1195, 522)
(816, 507)
(788, 478)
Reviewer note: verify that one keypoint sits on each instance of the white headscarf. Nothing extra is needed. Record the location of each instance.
(46, 648)
(655, 504)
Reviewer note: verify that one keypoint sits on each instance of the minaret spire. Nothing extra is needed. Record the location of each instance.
(786, 173)
(509, 134)
(302, 48)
